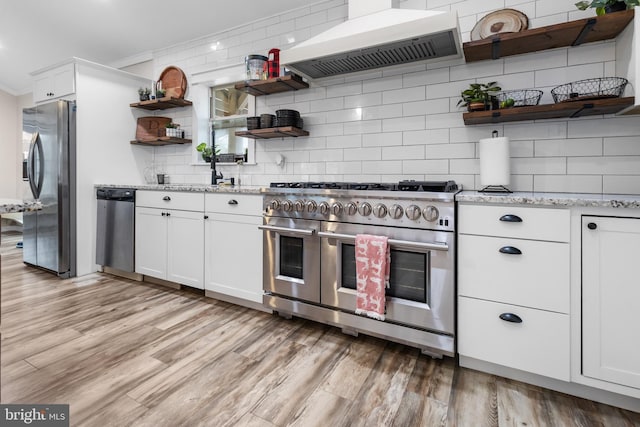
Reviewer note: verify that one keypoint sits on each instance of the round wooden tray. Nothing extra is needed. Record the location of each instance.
(500, 21)
(174, 82)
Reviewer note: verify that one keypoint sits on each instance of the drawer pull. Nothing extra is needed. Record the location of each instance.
(166, 198)
(233, 202)
(510, 317)
(510, 250)
(510, 218)
(163, 214)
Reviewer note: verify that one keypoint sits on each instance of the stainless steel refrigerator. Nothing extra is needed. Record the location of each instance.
(49, 239)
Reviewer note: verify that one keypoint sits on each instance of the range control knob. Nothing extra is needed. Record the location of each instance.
(274, 205)
(413, 212)
(336, 209)
(324, 208)
(430, 213)
(365, 209)
(299, 205)
(287, 205)
(396, 211)
(351, 208)
(380, 210)
(312, 206)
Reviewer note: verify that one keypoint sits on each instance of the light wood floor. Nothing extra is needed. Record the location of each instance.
(122, 353)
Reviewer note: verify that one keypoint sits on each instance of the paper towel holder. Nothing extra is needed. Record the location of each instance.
(495, 188)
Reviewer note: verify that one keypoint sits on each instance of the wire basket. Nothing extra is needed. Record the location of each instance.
(521, 97)
(603, 87)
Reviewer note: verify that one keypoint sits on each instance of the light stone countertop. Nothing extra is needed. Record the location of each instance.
(15, 205)
(552, 199)
(196, 188)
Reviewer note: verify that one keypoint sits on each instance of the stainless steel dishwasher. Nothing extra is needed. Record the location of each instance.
(115, 244)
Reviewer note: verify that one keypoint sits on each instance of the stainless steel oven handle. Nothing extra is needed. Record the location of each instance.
(296, 231)
(399, 244)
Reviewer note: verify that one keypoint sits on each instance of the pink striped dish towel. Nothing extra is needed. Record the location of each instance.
(373, 260)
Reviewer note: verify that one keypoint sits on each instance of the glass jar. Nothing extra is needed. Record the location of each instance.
(255, 65)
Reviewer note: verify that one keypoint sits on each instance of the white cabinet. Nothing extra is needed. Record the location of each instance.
(514, 287)
(170, 236)
(233, 247)
(610, 296)
(54, 83)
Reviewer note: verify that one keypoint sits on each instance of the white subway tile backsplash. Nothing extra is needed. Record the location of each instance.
(382, 167)
(432, 106)
(620, 184)
(569, 147)
(624, 146)
(425, 167)
(382, 139)
(402, 122)
(362, 127)
(382, 84)
(363, 154)
(559, 76)
(409, 152)
(568, 183)
(344, 141)
(403, 95)
(363, 100)
(451, 151)
(536, 61)
(619, 165)
(422, 137)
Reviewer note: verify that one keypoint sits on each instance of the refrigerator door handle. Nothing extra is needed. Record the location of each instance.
(36, 144)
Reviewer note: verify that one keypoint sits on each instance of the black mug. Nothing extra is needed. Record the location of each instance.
(160, 178)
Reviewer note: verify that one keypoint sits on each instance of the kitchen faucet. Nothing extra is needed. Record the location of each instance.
(214, 174)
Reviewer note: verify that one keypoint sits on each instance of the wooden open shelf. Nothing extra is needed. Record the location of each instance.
(267, 133)
(162, 103)
(572, 33)
(571, 109)
(273, 85)
(163, 140)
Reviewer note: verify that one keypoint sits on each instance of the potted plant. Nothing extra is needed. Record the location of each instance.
(607, 6)
(480, 96)
(144, 93)
(160, 93)
(206, 151)
(173, 129)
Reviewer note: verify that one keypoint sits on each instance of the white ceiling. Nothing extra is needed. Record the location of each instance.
(37, 33)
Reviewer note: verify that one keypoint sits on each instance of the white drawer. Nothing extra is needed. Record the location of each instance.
(540, 344)
(535, 223)
(537, 278)
(185, 201)
(234, 203)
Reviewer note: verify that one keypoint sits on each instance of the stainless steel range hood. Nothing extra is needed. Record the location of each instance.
(376, 35)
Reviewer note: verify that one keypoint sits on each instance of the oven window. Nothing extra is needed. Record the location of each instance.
(291, 256)
(408, 278)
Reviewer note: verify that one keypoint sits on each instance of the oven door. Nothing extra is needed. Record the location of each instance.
(291, 258)
(421, 292)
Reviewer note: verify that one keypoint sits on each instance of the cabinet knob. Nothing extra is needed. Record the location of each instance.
(592, 226)
(233, 202)
(166, 198)
(168, 214)
(510, 250)
(510, 218)
(206, 217)
(163, 214)
(510, 317)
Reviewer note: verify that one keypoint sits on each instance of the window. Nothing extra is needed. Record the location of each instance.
(229, 110)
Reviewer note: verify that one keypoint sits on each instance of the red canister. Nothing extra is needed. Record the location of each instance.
(274, 63)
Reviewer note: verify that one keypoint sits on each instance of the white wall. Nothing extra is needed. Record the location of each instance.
(10, 156)
(403, 123)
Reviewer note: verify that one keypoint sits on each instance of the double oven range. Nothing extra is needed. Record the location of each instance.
(309, 256)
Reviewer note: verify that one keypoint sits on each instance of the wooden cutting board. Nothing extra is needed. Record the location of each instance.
(174, 82)
(500, 21)
(151, 128)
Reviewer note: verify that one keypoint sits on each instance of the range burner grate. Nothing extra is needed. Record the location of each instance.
(430, 186)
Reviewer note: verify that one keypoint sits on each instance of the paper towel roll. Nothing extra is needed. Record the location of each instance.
(495, 168)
